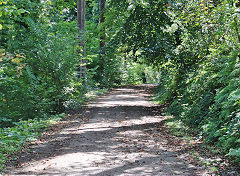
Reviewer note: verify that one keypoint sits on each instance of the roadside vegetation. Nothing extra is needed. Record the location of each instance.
(201, 85)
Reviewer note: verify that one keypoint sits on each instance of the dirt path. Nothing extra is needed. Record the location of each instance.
(117, 134)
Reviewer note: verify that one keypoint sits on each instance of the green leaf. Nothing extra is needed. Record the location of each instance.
(20, 11)
(234, 152)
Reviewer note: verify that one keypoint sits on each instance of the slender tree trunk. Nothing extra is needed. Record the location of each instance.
(81, 27)
(102, 38)
(102, 31)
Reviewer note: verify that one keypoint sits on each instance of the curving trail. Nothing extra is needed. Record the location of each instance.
(120, 134)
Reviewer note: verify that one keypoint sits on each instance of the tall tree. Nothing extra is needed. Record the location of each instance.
(101, 21)
(81, 4)
(102, 36)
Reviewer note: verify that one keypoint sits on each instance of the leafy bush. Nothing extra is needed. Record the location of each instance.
(41, 77)
(13, 139)
(202, 85)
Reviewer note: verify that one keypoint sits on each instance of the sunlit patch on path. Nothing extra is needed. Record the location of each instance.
(121, 135)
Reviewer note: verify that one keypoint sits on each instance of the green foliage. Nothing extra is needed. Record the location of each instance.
(13, 139)
(42, 78)
(132, 73)
(201, 83)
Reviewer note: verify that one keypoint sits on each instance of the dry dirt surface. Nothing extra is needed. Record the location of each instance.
(121, 133)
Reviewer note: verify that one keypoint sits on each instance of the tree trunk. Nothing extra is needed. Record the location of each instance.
(101, 21)
(81, 27)
(102, 39)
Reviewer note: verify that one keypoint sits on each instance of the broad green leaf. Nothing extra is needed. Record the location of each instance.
(20, 11)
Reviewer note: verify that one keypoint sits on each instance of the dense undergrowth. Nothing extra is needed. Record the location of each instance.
(202, 153)
(203, 91)
(13, 139)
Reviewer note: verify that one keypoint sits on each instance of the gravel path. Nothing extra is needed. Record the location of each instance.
(119, 134)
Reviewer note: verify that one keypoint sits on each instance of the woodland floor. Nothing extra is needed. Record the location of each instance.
(121, 133)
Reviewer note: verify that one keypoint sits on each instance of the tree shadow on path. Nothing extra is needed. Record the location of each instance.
(107, 139)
